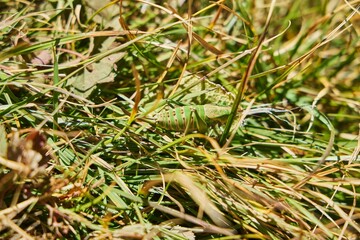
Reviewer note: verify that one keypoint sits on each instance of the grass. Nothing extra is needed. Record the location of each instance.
(83, 81)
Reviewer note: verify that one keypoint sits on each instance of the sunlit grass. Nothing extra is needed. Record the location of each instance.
(82, 156)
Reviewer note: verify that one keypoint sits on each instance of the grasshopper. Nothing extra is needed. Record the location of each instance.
(192, 117)
(201, 117)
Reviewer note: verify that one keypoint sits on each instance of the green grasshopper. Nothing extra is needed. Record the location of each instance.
(192, 117)
(203, 105)
(201, 117)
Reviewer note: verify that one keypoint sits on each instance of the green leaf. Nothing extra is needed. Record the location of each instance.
(95, 73)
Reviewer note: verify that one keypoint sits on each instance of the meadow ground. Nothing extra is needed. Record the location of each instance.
(179, 119)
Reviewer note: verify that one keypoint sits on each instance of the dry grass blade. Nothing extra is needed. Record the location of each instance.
(246, 76)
